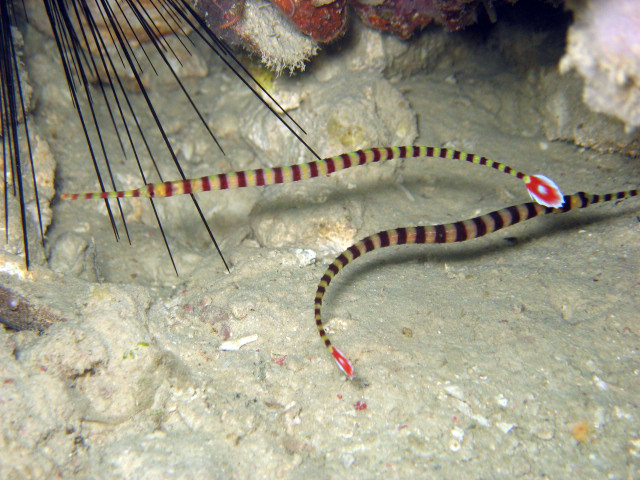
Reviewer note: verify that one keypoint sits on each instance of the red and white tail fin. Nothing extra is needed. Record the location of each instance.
(544, 191)
(343, 362)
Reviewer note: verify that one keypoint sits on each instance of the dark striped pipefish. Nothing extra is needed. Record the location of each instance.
(460, 231)
(541, 189)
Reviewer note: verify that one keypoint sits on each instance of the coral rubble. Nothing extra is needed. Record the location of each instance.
(403, 17)
(604, 47)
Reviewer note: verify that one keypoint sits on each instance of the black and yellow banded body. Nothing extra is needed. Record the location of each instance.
(303, 171)
(443, 233)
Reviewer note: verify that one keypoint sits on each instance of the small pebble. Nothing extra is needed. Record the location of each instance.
(501, 400)
(581, 431)
(455, 391)
(454, 445)
(457, 432)
(601, 384)
(306, 256)
(505, 427)
(233, 345)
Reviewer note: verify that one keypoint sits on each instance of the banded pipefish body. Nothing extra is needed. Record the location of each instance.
(542, 189)
(460, 231)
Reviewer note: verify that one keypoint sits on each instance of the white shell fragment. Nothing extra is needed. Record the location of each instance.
(233, 345)
(601, 384)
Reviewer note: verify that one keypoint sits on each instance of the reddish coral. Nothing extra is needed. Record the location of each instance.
(403, 17)
(326, 20)
(320, 20)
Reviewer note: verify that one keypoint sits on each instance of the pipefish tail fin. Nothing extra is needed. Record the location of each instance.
(443, 233)
(544, 191)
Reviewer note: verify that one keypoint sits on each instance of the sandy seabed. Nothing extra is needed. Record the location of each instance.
(512, 356)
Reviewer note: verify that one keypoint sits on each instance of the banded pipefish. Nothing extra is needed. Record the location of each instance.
(542, 189)
(460, 231)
